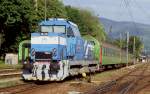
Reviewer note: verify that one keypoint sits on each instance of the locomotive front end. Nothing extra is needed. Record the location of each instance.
(48, 53)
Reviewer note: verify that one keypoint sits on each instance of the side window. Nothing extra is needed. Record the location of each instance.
(105, 51)
(70, 32)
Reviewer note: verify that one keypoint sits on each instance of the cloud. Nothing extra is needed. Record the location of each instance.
(115, 9)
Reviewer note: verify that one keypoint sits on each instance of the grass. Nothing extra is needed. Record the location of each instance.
(105, 76)
(7, 66)
(10, 83)
(113, 74)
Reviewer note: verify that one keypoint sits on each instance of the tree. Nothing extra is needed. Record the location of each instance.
(88, 23)
(120, 43)
(54, 9)
(138, 45)
(16, 17)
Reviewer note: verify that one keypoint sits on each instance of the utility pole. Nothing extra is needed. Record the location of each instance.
(120, 47)
(110, 30)
(127, 46)
(45, 10)
(134, 50)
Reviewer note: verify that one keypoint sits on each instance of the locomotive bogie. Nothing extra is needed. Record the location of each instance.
(48, 71)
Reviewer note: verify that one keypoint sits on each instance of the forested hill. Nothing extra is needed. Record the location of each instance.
(114, 28)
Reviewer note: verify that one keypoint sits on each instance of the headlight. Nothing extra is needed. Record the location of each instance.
(44, 33)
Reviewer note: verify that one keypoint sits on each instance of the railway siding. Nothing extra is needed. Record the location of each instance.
(9, 73)
(10, 77)
(132, 82)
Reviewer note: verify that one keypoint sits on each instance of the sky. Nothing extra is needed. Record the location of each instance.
(118, 10)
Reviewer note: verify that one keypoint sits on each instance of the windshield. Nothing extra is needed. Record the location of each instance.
(59, 29)
(56, 29)
(46, 29)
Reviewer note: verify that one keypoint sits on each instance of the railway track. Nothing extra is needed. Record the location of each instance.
(8, 73)
(18, 88)
(29, 87)
(132, 83)
(123, 84)
(5, 71)
(13, 73)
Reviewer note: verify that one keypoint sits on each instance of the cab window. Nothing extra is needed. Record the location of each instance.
(70, 32)
(54, 28)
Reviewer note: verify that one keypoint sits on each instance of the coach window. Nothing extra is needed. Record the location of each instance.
(104, 51)
(70, 32)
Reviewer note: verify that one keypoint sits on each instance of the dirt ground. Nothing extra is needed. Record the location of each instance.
(135, 82)
(63, 88)
(80, 87)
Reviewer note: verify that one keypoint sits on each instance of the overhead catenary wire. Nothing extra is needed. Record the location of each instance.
(142, 9)
(144, 12)
(127, 5)
(129, 10)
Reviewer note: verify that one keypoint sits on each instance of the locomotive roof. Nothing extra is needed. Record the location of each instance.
(61, 22)
(57, 21)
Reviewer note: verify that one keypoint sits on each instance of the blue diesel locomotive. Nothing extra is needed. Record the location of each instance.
(58, 51)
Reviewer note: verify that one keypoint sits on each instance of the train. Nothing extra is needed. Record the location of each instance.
(57, 50)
